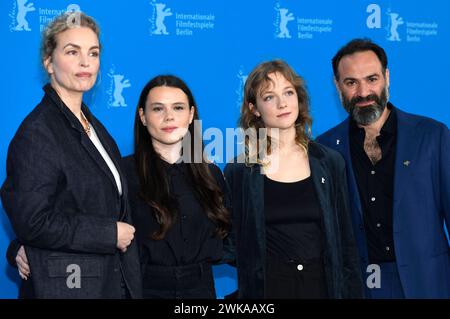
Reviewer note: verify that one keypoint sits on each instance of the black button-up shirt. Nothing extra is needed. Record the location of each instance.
(191, 238)
(376, 187)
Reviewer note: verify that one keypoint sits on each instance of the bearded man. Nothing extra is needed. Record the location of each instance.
(398, 171)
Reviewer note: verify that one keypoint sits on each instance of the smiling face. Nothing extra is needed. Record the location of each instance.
(167, 115)
(73, 66)
(277, 103)
(363, 86)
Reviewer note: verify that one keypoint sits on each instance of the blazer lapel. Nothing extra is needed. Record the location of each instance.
(105, 140)
(342, 141)
(322, 183)
(254, 183)
(405, 163)
(95, 155)
(84, 139)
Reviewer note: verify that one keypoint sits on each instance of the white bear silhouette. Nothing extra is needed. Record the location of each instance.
(284, 19)
(161, 14)
(119, 85)
(23, 9)
(243, 79)
(395, 22)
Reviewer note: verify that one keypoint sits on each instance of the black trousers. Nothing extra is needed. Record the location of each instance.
(194, 281)
(295, 279)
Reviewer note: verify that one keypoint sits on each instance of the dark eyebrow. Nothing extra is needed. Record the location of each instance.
(162, 104)
(366, 77)
(78, 47)
(349, 79)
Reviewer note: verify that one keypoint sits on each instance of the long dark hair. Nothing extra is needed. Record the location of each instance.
(154, 183)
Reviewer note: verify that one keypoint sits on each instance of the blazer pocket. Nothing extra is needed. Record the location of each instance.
(74, 277)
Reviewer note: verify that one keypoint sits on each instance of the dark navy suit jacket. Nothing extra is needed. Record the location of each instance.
(421, 202)
(63, 204)
(341, 257)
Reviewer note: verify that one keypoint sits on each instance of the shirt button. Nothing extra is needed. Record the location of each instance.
(378, 225)
(388, 248)
(372, 199)
(183, 217)
(185, 240)
(372, 172)
(299, 267)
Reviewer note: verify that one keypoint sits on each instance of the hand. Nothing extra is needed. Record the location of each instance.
(125, 234)
(22, 263)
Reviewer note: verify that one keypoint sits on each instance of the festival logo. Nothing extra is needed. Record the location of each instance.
(240, 90)
(394, 22)
(160, 12)
(115, 91)
(19, 14)
(281, 21)
(395, 25)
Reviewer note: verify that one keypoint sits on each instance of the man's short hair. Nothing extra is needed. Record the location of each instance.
(359, 45)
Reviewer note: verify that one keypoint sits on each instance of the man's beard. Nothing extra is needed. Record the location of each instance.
(365, 115)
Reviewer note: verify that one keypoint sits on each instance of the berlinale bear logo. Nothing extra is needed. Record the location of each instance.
(22, 9)
(394, 21)
(161, 14)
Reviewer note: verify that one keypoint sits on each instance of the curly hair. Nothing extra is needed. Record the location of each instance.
(257, 81)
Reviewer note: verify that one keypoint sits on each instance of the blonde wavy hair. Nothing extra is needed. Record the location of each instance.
(60, 24)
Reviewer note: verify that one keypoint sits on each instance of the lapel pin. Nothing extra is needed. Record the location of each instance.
(406, 163)
(323, 180)
(338, 141)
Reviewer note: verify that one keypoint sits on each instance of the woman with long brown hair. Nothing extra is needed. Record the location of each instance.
(179, 205)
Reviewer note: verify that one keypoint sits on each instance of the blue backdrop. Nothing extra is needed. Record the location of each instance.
(213, 45)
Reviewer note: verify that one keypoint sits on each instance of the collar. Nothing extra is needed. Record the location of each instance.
(171, 166)
(75, 123)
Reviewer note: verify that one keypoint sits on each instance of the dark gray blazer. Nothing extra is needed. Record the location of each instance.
(63, 204)
(341, 260)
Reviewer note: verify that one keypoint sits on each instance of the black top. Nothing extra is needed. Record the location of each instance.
(376, 188)
(328, 174)
(191, 238)
(293, 220)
